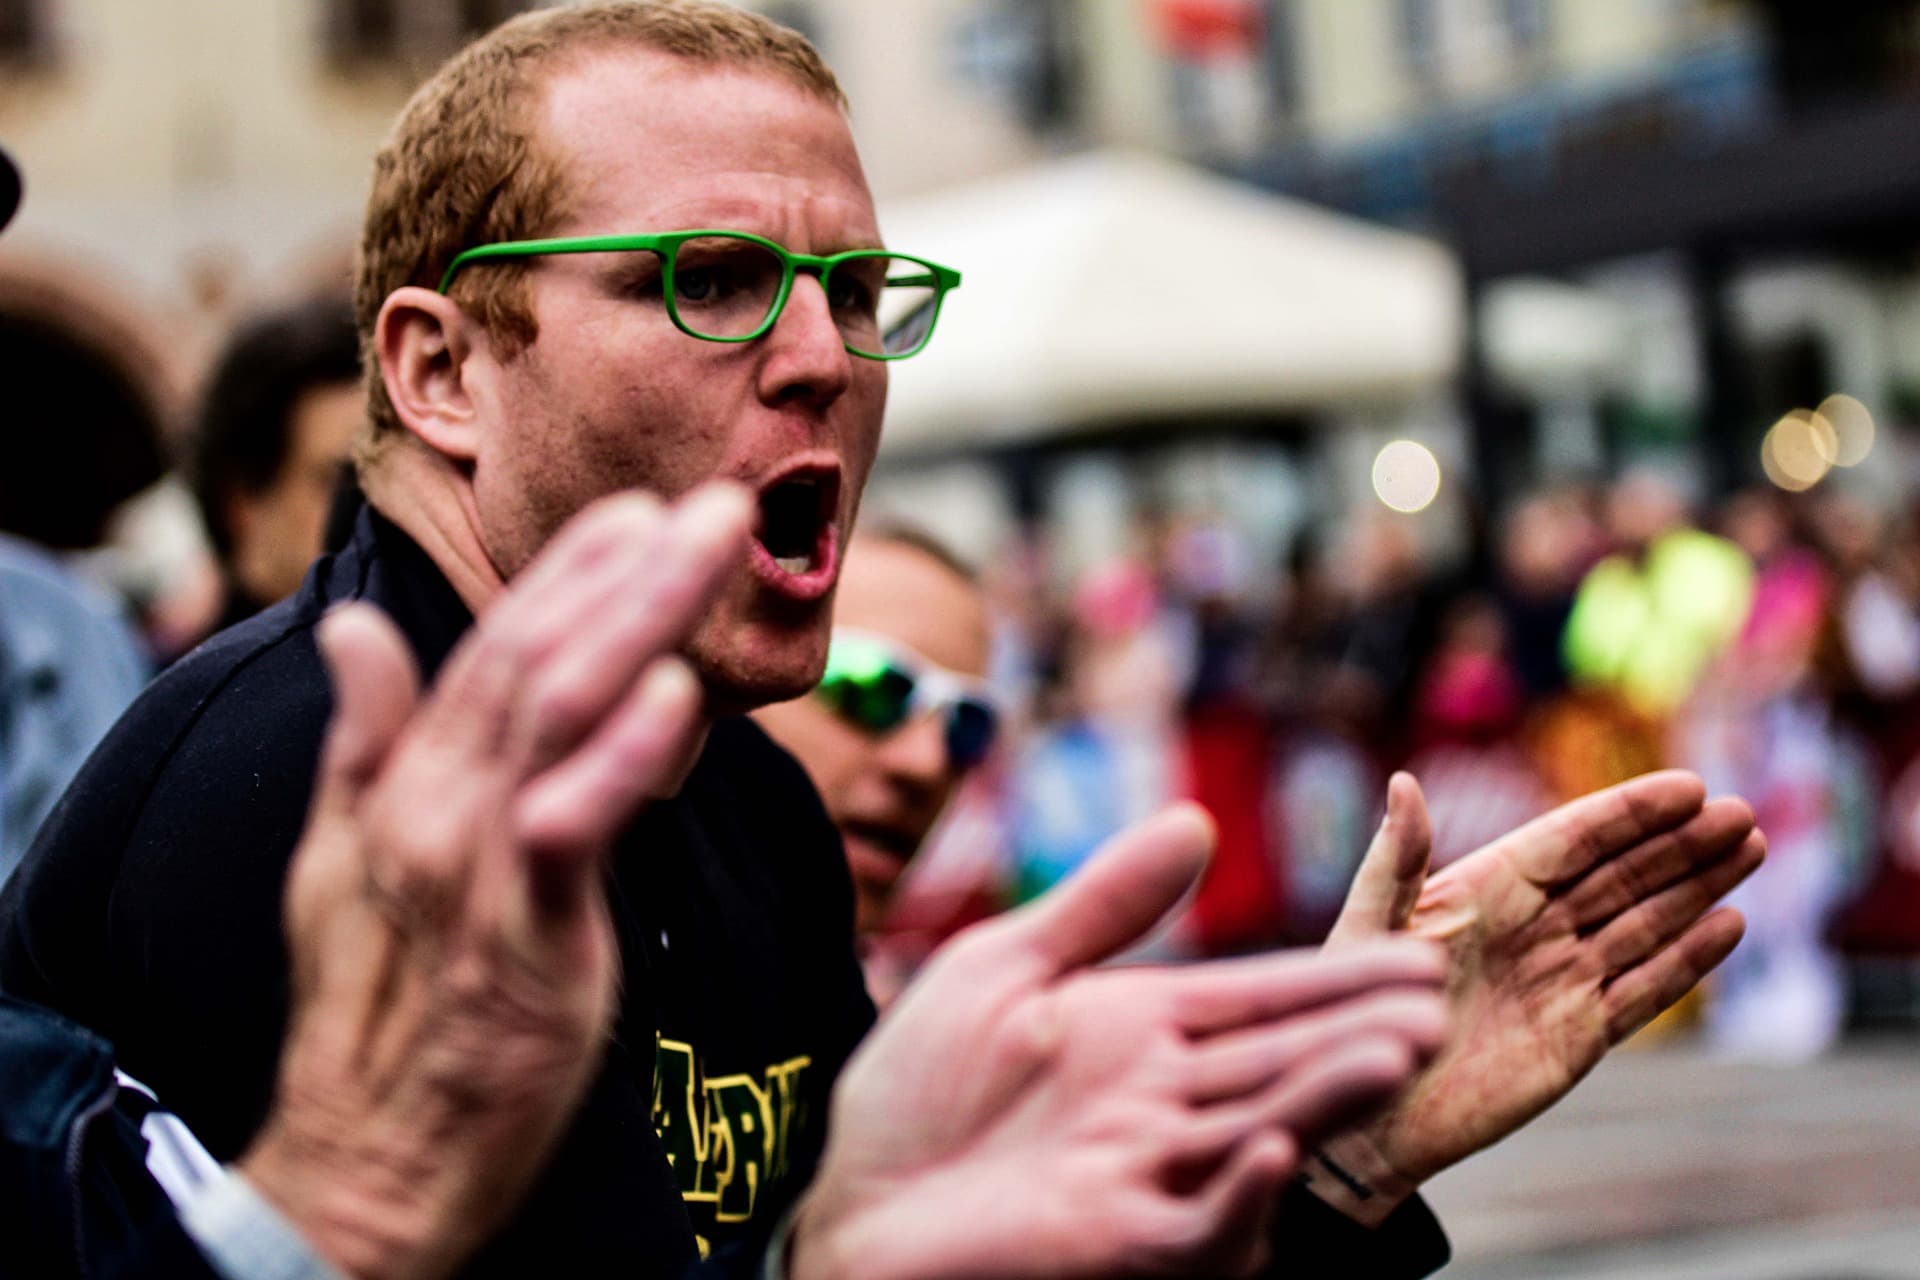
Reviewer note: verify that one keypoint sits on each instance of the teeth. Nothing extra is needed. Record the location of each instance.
(794, 564)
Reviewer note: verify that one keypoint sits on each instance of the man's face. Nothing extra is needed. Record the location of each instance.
(611, 396)
(885, 791)
(277, 532)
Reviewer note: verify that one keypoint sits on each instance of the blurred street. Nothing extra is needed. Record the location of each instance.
(1668, 1165)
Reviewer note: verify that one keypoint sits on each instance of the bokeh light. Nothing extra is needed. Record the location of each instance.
(1406, 476)
(1799, 450)
(1852, 424)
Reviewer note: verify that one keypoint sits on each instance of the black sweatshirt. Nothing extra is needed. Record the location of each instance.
(150, 908)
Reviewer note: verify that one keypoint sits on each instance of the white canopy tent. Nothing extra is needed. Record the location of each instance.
(1115, 286)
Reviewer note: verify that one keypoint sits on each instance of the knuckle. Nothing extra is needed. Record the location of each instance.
(559, 708)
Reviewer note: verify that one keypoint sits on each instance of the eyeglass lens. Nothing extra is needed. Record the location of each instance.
(725, 287)
(970, 727)
(873, 693)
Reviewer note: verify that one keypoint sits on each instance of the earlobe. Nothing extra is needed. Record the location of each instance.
(426, 346)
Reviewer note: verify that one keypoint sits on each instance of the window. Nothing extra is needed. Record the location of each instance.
(1526, 22)
(1420, 39)
(1282, 58)
(410, 32)
(1024, 54)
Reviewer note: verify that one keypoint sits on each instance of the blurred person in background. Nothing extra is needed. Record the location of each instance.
(69, 665)
(1469, 712)
(898, 720)
(1547, 543)
(1762, 720)
(1649, 617)
(281, 407)
(1106, 753)
(1870, 658)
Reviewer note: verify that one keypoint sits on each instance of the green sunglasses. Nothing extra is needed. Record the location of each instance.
(876, 685)
(731, 286)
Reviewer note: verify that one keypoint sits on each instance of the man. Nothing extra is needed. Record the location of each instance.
(276, 422)
(504, 405)
(902, 714)
(453, 989)
(416, 953)
(1556, 949)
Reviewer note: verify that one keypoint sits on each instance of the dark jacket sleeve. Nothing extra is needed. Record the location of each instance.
(73, 1173)
(1311, 1239)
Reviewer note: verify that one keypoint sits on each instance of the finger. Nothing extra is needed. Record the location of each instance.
(375, 684)
(1640, 994)
(1580, 835)
(585, 564)
(1391, 875)
(696, 549)
(572, 811)
(1240, 1063)
(1231, 1216)
(1226, 995)
(1637, 934)
(1622, 882)
(1128, 887)
(1341, 1087)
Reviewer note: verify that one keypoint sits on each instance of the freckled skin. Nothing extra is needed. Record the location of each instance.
(885, 791)
(611, 396)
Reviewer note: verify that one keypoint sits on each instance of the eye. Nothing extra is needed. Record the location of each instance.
(697, 284)
(856, 286)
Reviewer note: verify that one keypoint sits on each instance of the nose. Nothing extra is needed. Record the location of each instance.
(914, 758)
(806, 360)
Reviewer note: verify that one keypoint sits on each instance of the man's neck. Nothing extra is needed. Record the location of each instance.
(436, 510)
(433, 508)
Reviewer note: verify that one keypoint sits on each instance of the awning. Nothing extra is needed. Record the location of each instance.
(1119, 287)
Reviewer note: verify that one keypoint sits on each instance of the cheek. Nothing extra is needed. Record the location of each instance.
(826, 747)
(863, 443)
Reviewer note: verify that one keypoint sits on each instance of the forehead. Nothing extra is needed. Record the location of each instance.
(652, 142)
(905, 594)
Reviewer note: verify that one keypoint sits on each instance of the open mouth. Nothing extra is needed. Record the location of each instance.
(797, 525)
(893, 842)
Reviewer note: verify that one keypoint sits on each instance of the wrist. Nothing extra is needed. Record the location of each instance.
(1351, 1174)
(882, 1237)
(365, 1215)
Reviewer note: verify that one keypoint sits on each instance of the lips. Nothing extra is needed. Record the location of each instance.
(877, 856)
(796, 541)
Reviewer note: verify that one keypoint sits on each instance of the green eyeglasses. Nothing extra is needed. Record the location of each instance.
(730, 286)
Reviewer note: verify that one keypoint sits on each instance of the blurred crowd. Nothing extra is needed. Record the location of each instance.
(1770, 641)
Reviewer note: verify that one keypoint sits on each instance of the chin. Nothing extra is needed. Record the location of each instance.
(760, 664)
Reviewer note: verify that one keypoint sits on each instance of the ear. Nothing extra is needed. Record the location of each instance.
(427, 348)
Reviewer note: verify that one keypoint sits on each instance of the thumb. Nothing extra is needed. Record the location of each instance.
(1394, 870)
(375, 686)
(1124, 890)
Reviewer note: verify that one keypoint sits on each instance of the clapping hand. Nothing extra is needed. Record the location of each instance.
(1562, 938)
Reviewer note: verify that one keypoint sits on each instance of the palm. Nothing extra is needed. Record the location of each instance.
(1082, 1121)
(1562, 938)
